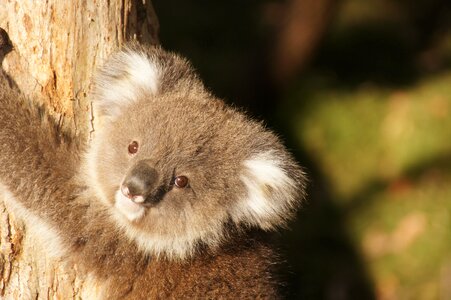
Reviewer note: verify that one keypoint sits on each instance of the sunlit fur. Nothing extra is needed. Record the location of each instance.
(36, 226)
(126, 77)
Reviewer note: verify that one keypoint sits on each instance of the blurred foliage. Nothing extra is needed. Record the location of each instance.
(386, 156)
(371, 122)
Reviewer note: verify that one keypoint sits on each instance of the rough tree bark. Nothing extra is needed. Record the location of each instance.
(56, 45)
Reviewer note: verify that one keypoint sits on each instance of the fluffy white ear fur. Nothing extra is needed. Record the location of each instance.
(125, 76)
(271, 192)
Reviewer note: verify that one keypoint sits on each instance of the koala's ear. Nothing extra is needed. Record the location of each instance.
(125, 76)
(274, 187)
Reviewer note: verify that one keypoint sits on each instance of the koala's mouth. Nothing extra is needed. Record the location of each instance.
(132, 206)
(132, 210)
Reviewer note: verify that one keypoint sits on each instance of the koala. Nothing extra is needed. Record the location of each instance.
(170, 197)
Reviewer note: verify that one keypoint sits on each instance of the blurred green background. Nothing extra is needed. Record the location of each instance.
(361, 93)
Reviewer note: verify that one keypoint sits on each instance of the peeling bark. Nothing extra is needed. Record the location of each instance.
(56, 46)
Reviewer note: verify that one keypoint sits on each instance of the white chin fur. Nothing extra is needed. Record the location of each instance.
(127, 207)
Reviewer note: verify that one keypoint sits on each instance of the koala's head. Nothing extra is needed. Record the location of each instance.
(175, 165)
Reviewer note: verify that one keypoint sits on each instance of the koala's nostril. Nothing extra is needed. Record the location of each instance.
(126, 192)
(134, 197)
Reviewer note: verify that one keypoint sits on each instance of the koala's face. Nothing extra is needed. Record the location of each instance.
(176, 165)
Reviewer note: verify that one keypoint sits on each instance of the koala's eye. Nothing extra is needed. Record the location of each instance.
(181, 181)
(133, 147)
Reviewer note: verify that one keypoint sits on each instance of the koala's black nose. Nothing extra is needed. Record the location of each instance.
(140, 181)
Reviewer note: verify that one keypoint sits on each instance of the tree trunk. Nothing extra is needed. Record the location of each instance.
(56, 46)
